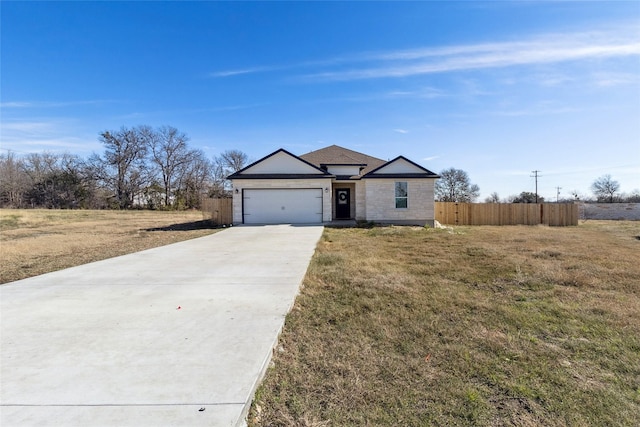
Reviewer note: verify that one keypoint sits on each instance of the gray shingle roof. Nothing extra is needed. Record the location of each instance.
(336, 155)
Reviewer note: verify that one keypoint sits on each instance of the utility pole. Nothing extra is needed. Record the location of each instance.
(536, 175)
(558, 194)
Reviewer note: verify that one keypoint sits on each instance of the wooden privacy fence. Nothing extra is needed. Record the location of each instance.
(554, 214)
(218, 211)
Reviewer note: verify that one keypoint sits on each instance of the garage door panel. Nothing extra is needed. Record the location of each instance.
(282, 206)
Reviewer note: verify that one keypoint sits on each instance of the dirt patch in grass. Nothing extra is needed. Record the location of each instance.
(519, 326)
(34, 242)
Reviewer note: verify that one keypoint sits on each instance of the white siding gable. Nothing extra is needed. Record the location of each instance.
(344, 170)
(397, 167)
(281, 163)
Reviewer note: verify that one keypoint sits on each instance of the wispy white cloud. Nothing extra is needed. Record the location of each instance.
(28, 126)
(611, 169)
(56, 144)
(52, 104)
(230, 73)
(61, 144)
(27, 136)
(552, 80)
(545, 49)
(15, 104)
(615, 79)
(512, 172)
(318, 63)
(537, 111)
(401, 130)
(424, 93)
(137, 115)
(427, 159)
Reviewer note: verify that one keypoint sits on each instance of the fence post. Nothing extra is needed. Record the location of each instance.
(456, 213)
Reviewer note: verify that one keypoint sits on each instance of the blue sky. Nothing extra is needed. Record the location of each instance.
(498, 89)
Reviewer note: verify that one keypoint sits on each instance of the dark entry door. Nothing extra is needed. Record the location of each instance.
(343, 203)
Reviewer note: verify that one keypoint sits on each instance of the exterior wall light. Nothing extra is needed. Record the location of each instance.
(326, 189)
(237, 191)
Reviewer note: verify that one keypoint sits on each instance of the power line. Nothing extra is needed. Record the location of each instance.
(536, 175)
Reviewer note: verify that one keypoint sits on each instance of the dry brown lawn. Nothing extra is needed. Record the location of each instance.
(475, 326)
(34, 242)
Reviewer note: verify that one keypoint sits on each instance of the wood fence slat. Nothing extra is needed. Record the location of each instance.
(218, 211)
(553, 214)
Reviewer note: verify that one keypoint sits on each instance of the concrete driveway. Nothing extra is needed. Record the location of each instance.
(173, 336)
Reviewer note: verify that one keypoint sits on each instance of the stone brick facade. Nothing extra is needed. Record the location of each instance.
(380, 203)
(361, 206)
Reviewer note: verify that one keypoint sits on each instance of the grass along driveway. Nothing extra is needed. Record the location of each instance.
(37, 241)
(519, 325)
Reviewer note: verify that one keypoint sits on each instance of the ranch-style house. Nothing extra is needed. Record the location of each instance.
(332, 184)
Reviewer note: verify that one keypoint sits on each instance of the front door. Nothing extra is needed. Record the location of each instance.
(343, 203)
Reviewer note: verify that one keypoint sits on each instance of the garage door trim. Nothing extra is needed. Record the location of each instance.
(286, 189)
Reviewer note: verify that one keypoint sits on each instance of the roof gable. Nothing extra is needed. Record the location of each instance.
(400, 167)
(280, 162)
(335, 155)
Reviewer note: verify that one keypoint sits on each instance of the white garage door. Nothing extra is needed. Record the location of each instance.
(282, 206)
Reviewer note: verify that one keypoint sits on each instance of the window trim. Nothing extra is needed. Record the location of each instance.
(404, 198)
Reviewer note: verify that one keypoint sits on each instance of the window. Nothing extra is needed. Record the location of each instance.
(401, 195)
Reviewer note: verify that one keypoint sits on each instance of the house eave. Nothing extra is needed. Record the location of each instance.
(347, 177)
(281, 150)
(280, 176)
(343, 164)
(426, 174)
(402, 175)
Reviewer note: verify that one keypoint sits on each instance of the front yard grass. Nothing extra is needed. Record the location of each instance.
(38, 241)
(520, 325)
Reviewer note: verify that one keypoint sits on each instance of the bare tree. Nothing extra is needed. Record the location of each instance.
(39, 165)
(527, 197)
(493, 198)
(219, 177)
(122, 168)
(454, 186)
(170, 154)
(139, 165)
(57, 181)
(233, 160)
(224, 165)
(196, 179)
(14, 182)
(605, 188)
(634, 197)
